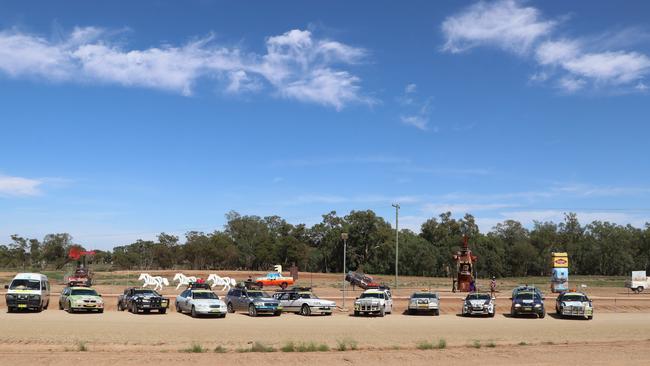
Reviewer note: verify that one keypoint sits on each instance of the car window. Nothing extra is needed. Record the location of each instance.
(21, 284)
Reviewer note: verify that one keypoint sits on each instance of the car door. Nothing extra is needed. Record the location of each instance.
(187, 300)
(45, 293)
(63, 297)
(389, 302)
(242, 300)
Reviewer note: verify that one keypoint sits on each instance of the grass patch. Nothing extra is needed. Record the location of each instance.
(522, 343)
(194, 348)
(311, 347)
(220, 349)
(346, 344)
(491, 344)
(81, 346)
(476, 344)
(425, 345)
(288, 347)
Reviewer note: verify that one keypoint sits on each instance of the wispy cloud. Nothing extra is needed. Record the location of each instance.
(417, 111)
(296, 64)
(571, 64)
(505, 24)
(19, 186)
(339, 160)
(464, 207)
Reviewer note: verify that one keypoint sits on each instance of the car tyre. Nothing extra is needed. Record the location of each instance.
(542, 315)
(60, 306)
(134, 308)
(69, 308)
(252, 311)
(356, 313)
(231, 309)
(591, 317)
(119, 306)
(162, 311)
(492, 314)
(382, 312)
(178, 308)
(305, 310)
(436, 312)
(101, 311)
(46, 304)
(10, 309)
(193, 312)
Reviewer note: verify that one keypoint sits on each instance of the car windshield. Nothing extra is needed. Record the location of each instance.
(25, 285)
(146, 292)
(424, 296)
(526, 296)
(574, 298)
(372, 295)
(205, 295)
(478, 297)
(83, 292)
(257, 294)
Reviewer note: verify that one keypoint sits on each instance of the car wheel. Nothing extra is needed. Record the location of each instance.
(305, 310)
(591, 317)
(542, 315)
(39, 308)
(46, 304)
(10, 309)
(639, 289)
(69, 307)
(277, 313)
(60, 306)
(231, 309)
(410, 311)
(436, 312)
(193, 312)
(382, 312)
(178, 308)
(134, 308)
(162, 311)
(221, 316)
(101, 311)
(492, 313)
(252, 311)
(356, 313)
(557, 310)
(146, 311)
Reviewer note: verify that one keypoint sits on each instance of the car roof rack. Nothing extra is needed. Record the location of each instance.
(198, 286)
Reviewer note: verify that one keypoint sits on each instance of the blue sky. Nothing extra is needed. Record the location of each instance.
(122, 120)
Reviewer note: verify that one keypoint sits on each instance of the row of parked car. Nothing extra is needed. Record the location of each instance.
(29, 291)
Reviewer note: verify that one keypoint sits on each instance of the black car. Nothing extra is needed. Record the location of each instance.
(528, 302)
(142, 299)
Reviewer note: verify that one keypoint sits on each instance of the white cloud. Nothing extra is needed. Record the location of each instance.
(461, 208)
(410, 88)
(417, 121)
(506, 24)
(641, 86)
(297, 65)
(18, 186)
(572, 64)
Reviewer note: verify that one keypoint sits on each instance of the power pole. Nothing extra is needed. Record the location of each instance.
(344, 236)
(396, 205)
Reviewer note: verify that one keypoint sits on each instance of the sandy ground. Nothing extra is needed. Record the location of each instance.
(619, 333)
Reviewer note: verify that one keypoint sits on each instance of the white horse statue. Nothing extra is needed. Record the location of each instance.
(278, 268)
(183, 279)
(226, 282)
(156, 281)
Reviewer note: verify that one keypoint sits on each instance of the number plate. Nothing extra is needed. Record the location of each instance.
(22, 305)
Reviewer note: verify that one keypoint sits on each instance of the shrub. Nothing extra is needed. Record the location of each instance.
(346, 344)
(194, 348)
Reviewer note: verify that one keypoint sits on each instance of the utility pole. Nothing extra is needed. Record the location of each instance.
(344, 236)
(396, 205)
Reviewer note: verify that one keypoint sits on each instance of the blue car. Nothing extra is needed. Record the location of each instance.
(527, 301)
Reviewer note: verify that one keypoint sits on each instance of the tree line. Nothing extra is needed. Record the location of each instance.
(257, 243)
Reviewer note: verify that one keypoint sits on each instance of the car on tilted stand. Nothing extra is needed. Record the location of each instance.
(574, 304)
(142, 299)
(198, 299)
(479, 303)
(80, 298)
(527, 301)
(374, 301)
(28, 291)
(424, 302)
(250, 298)
(303, 301)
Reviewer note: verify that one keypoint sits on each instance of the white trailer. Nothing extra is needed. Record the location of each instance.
(639, 281)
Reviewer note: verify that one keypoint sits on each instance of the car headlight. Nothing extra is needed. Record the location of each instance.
(34, 297)
(517, 305)
(538, 305)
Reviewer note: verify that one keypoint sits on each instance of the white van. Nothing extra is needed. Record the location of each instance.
(28, 291)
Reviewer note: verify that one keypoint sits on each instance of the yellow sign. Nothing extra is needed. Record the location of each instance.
(560, 260)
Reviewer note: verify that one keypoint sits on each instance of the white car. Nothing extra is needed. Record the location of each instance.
(477, 303)
(424, 302)
(374, 301)
(304, 302)
(574, 304)
(200, 301)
